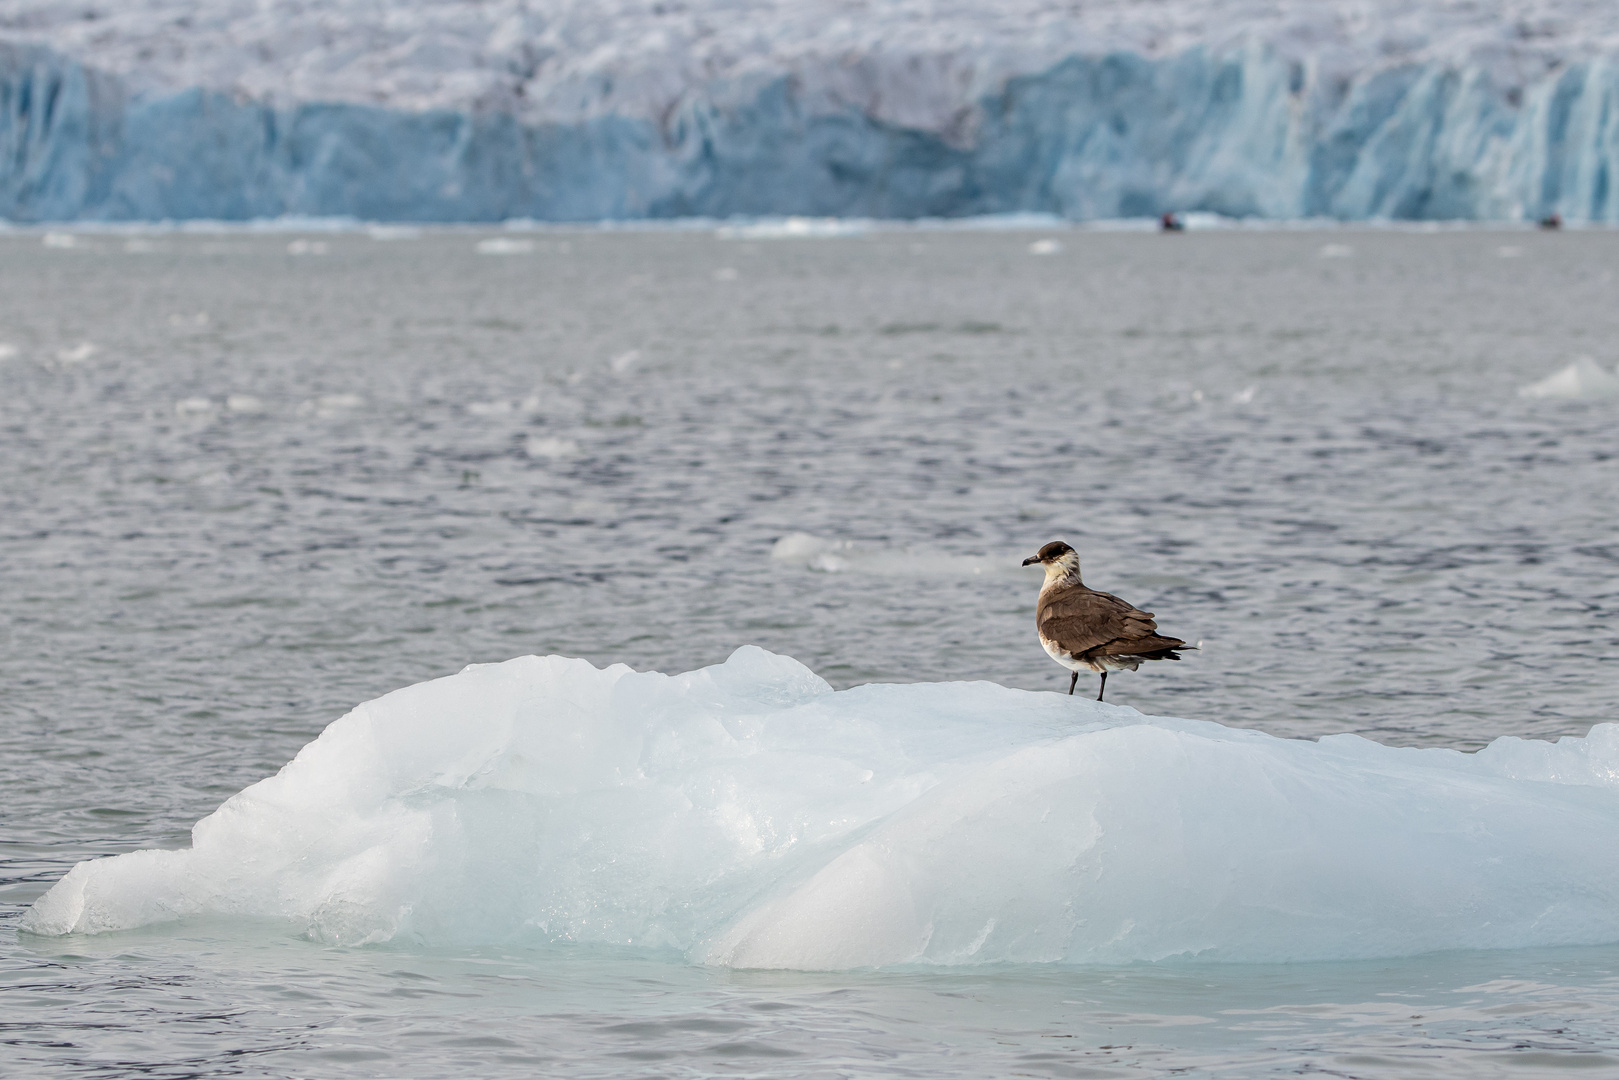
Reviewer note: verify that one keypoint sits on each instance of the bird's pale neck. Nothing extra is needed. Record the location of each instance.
(1063, 570)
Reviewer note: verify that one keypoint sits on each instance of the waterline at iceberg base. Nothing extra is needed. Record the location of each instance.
(1241, 133)
(746, 814)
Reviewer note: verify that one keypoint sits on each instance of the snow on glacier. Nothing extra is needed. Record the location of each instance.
(1492, 109)
(745, 814)
(911, 63)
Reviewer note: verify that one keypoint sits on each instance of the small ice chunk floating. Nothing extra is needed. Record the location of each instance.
(1584, 378)
(745, 814)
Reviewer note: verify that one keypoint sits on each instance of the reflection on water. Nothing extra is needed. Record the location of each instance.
(246, 487)
(249, 1002)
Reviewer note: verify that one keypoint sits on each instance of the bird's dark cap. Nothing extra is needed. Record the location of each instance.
(1054, 550)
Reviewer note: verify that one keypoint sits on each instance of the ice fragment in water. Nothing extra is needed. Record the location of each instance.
(814, 552)
(843, 556)
(329, 405)
(500, 245)
(550, 447)
(746, 814)
(244, 404)
(793, 228)
(1581, 379)
(193, 406)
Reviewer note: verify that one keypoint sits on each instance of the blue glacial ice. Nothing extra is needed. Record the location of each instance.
(745, 814)
(1245, 131)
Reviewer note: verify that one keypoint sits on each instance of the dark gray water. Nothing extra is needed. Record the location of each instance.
(247, 486)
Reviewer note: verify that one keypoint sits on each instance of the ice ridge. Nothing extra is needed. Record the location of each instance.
(747, 815)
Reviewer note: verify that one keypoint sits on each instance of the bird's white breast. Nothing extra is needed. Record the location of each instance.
(1057, 653)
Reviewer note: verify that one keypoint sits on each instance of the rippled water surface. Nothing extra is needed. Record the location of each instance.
(252, 479)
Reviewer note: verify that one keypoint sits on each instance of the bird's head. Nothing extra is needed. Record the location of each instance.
(1058, 558)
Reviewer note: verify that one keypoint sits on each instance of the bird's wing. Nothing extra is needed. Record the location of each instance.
(1083, 620)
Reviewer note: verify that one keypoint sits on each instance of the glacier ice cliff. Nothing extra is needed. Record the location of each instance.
(1242, 131)
(549, 109)
(747, 815)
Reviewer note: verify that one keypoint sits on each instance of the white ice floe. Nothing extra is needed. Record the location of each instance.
(746, 814)
(1046, 247)
(624, 361)
(8, 351)
(76, 354)
(1336, 251)
(503, 245)
(846, 556)
(506, 407)
(331, 405)
(60, 240)
(814, 552)
(1584, 378)
(550, 447)
(308, 247)
(793, 228)
(244, 404)
(194, 406)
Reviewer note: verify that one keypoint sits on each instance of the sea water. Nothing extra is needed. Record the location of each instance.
(253, 480)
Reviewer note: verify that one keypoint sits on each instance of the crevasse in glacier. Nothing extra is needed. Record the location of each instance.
(745, 814)
(1243, 131)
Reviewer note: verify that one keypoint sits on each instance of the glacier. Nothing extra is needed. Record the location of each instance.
(747, 815)
(1500, 110)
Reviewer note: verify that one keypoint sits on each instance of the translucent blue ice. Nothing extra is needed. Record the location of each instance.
(747, 815)
(1242, 132)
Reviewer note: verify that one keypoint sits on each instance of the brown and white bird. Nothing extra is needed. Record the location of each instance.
(1086, 630)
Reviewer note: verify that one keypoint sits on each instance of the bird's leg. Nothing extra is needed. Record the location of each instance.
(1071, 683)
(1099, 692)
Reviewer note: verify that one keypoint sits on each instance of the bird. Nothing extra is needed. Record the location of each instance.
(1086, 630)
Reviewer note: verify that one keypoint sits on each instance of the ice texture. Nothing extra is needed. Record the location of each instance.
(745, 814)
(552, 110)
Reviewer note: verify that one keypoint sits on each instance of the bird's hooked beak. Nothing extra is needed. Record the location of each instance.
(1031, 560)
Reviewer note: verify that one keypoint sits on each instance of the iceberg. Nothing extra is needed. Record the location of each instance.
(746, 814)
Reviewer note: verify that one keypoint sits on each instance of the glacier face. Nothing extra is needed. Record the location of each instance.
(746, 814)
(175, 110)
